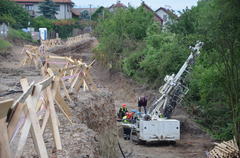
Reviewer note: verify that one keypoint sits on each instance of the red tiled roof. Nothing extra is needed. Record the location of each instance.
(36, 1)
(154, 13)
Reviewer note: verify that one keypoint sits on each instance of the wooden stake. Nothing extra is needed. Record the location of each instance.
(53, 120)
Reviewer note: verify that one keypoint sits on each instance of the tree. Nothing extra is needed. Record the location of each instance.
(225, 35)
(100, 13)
(84, 15)
(14, 14)
(48, 9)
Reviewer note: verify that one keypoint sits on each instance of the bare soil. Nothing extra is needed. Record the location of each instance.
(93, 132)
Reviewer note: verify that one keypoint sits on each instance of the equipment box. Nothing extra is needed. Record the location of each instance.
(159, 130)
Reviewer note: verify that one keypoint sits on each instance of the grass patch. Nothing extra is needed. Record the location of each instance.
(4, 47)
(19, 34)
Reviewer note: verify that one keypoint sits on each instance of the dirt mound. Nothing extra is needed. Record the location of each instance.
(97, 111)
(63, 50)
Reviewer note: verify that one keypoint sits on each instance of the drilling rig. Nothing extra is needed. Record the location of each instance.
(157, 124)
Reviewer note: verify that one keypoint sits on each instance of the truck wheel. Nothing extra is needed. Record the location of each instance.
(173, 142)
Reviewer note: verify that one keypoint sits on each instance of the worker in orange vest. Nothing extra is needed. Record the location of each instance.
(122, 111)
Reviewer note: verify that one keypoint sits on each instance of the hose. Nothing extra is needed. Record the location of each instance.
(121, 150)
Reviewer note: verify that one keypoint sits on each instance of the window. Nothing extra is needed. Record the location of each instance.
(165, 17)
(68, 8)
(58, 7)
(29, 7)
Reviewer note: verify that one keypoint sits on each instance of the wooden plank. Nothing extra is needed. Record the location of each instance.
(89, 78)
(14, 120)
(45, 83)
(73, 84)
(91, 63)
(32, 117)
(50, 72)
(4, 142)
(24, 96)
(53, 120)
(56, 57)
(63, 106)
(4, 107)
(45, 120)
(65, 90)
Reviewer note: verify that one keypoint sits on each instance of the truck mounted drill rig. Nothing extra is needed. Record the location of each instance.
(156, 125)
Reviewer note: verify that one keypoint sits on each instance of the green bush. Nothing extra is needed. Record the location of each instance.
(19, 34)
(163, 55)
(4, 46)
(120, 32)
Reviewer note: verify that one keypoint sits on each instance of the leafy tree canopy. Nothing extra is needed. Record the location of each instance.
(84, 15)
(14, 14)
(48, 9)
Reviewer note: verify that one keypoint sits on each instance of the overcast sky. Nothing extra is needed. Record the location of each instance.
(177, 5)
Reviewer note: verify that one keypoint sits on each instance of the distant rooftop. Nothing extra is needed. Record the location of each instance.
(118, 5)
(77, 11)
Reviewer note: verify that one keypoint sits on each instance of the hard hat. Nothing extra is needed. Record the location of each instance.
(124, 105)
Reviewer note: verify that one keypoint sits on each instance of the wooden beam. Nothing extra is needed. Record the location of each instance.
(63, 106)
(65, 90)
(53, 120)
(45, 120)
(15, 119)
(4, 142)
(24, 96)
(45, 83)
(4, 107)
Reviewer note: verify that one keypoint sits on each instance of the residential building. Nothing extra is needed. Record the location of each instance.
(167, 15)
(76, 12)
(118, 5)
(155, 15)
(63, 7)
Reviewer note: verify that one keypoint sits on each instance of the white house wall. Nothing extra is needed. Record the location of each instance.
(166, 18)
(63, 13)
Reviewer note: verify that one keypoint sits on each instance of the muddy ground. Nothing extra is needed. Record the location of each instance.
(93, 132)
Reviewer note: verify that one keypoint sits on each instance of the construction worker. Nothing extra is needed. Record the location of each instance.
(142, 102)
(122, 111)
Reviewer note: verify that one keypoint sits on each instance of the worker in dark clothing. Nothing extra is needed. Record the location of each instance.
(142, 102)
(122, 111)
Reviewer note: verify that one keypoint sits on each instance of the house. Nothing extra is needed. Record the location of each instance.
(167, 15)
(155, 15)
(118, 5)
(63, 7)
(76, 12)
